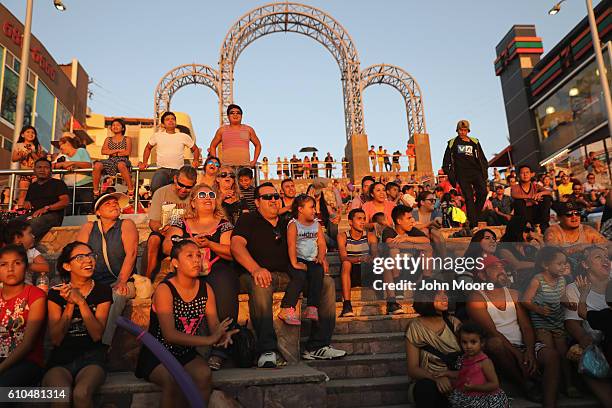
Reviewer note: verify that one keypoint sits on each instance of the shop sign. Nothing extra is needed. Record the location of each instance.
(36, 53)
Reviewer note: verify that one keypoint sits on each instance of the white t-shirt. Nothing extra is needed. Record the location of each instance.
(171, 148)
(588, 186)
(408, 199)
(32, 254)
(594, 301)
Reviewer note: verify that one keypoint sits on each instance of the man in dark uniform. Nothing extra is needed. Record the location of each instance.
(466, 166)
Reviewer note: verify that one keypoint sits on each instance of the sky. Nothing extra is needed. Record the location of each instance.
(289, 85)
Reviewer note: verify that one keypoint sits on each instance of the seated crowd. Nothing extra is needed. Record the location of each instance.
(548, 302)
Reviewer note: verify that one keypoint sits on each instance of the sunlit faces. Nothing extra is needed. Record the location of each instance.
(307, 210)
(170, 122)
(12, 269)
(42, 170)
(29, 135)
(358, 222)
(558, 265)
(204, 200)
(525, 174)
(288, 188)
(244, 182)
(471, 343)
(379, 194)
(82, 262)
(116, 127)
(496, 274)
(183, 185)
(488, 243)
(189, 261)
(570, 220)
(440, 302)
(406, 221)
(109, 209)
(597, 262)
(268, 201)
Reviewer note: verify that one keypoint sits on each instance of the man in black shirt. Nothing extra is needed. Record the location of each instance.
(328, 165)
(466, 165)
(47, 197)
(259, 245)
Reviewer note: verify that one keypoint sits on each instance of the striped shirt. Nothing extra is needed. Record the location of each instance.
(549, 296)
(357, 247)
(248, 195)
(235, 146)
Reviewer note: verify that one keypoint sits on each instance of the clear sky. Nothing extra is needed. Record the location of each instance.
(288, 84)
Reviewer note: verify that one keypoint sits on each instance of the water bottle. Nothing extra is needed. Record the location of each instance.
(43, 282)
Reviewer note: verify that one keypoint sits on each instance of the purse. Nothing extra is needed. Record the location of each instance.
(593, 363)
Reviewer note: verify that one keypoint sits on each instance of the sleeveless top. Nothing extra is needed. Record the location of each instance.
(114, 249)
(208, 254)
(549, 296)
(306, 243)
(506, 321)
(235, 146)
(188, 317)
(357, 247)
(117, 146)
(471, 372)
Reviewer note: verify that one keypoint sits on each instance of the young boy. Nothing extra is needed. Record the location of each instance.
(403, 238)
(20, 233)
(247, 190)
(380, 223)
(355, 247)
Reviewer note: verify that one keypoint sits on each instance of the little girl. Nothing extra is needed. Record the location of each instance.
(20, 233)
(543, 299)
(307, 249)
(476, 383)
(26, 151)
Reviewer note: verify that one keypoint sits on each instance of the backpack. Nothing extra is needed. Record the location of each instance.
(244, 347)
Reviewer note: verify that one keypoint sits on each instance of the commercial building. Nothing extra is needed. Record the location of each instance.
(56, 95)
(554, 103)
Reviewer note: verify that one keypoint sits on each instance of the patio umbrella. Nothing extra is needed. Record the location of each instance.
(308, 149)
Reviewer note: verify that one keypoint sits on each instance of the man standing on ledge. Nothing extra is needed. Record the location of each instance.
(170, 152)
(466, 166)
(234, 139)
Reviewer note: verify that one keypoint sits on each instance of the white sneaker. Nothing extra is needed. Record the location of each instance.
(324, 353)
(267, 360)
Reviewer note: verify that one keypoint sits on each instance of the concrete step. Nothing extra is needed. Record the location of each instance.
(363, 366)
(373, 307)
(369, 324)
(370, 343)
(363, 392)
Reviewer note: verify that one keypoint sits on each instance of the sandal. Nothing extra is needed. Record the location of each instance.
(215, 362)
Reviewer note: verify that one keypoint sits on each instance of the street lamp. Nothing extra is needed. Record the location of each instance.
(59, 5)
(603, 77)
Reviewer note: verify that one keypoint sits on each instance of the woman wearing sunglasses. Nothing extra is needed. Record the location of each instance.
(205, 223)
(226, 186)
(77, 311)
(211, 169)
(518, 247)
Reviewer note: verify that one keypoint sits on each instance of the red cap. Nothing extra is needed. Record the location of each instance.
(492, 260)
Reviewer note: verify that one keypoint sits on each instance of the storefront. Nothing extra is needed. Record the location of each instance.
(56, 95)
(554, 103)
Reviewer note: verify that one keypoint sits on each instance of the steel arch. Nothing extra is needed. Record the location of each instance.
(179, 77)
(301, 19)
(405, 84)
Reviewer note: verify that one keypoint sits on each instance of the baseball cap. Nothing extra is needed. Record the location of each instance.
(463, 124)
(121, 198)
(492, 260)
(564, 208)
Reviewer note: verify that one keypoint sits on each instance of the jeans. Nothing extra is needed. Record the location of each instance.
(224, 281)
(41, 225)
(535, 214)
(162, 177)
(474, 190)
(260, 309)
(310, 281)
(328, 172)
(116, 309)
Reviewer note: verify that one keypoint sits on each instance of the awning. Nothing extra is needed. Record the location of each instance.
(502, 159)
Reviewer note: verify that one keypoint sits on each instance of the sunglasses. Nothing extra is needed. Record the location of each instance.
(80, 258)
(269, 197)
(202, 195)
(225, 175)
(235, 113)
(216, 163)
(184, 186)
(572, 214)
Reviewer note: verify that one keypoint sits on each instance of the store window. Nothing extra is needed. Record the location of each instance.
(572, 111)
(45, 102)
(596, 161)
(9, 98)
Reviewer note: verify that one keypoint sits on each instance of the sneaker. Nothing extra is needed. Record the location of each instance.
(267, 360)
(394, 308)
(347, 309)
(288, 315)
(311, 313)
(324, 353)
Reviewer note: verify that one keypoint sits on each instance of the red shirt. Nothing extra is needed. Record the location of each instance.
(410, 150)
(13, 321)
(369, 210)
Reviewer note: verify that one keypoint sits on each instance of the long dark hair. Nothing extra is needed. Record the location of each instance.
(515, 229)
(65, 256)
(22, 137)
(474, 249)
(322, 206)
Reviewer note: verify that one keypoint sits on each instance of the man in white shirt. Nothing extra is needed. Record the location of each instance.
(170, 152)
(591, 184)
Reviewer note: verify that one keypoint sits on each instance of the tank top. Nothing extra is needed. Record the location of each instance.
(235, 146)
(566, 243)
(357, 247)
(549, 296)
(117, 146)
(306, 244)
(188, 317)
(207, 253)
(506, 321)
(114, 249)
(471, 372)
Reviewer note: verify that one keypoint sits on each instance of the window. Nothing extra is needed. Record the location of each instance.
(45, 102)
(572, 111)
(9, 98)
(62, 121)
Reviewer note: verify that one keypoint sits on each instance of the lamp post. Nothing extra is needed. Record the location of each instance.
(601, 67)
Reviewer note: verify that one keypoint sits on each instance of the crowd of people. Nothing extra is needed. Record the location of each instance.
(222, 234)
(306, 168)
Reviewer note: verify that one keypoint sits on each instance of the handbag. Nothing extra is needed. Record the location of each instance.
(244, 347)
(452, 360)
(593, 363)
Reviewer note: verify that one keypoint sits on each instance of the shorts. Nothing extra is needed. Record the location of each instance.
(95, 356)
(147, 361)
(357, 274)
(547, 336)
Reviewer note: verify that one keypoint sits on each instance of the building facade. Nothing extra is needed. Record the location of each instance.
(554, 103)
(56, 95)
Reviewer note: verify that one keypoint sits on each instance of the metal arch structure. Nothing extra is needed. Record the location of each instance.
(178, 77)
(301, 19)
(406, 85)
